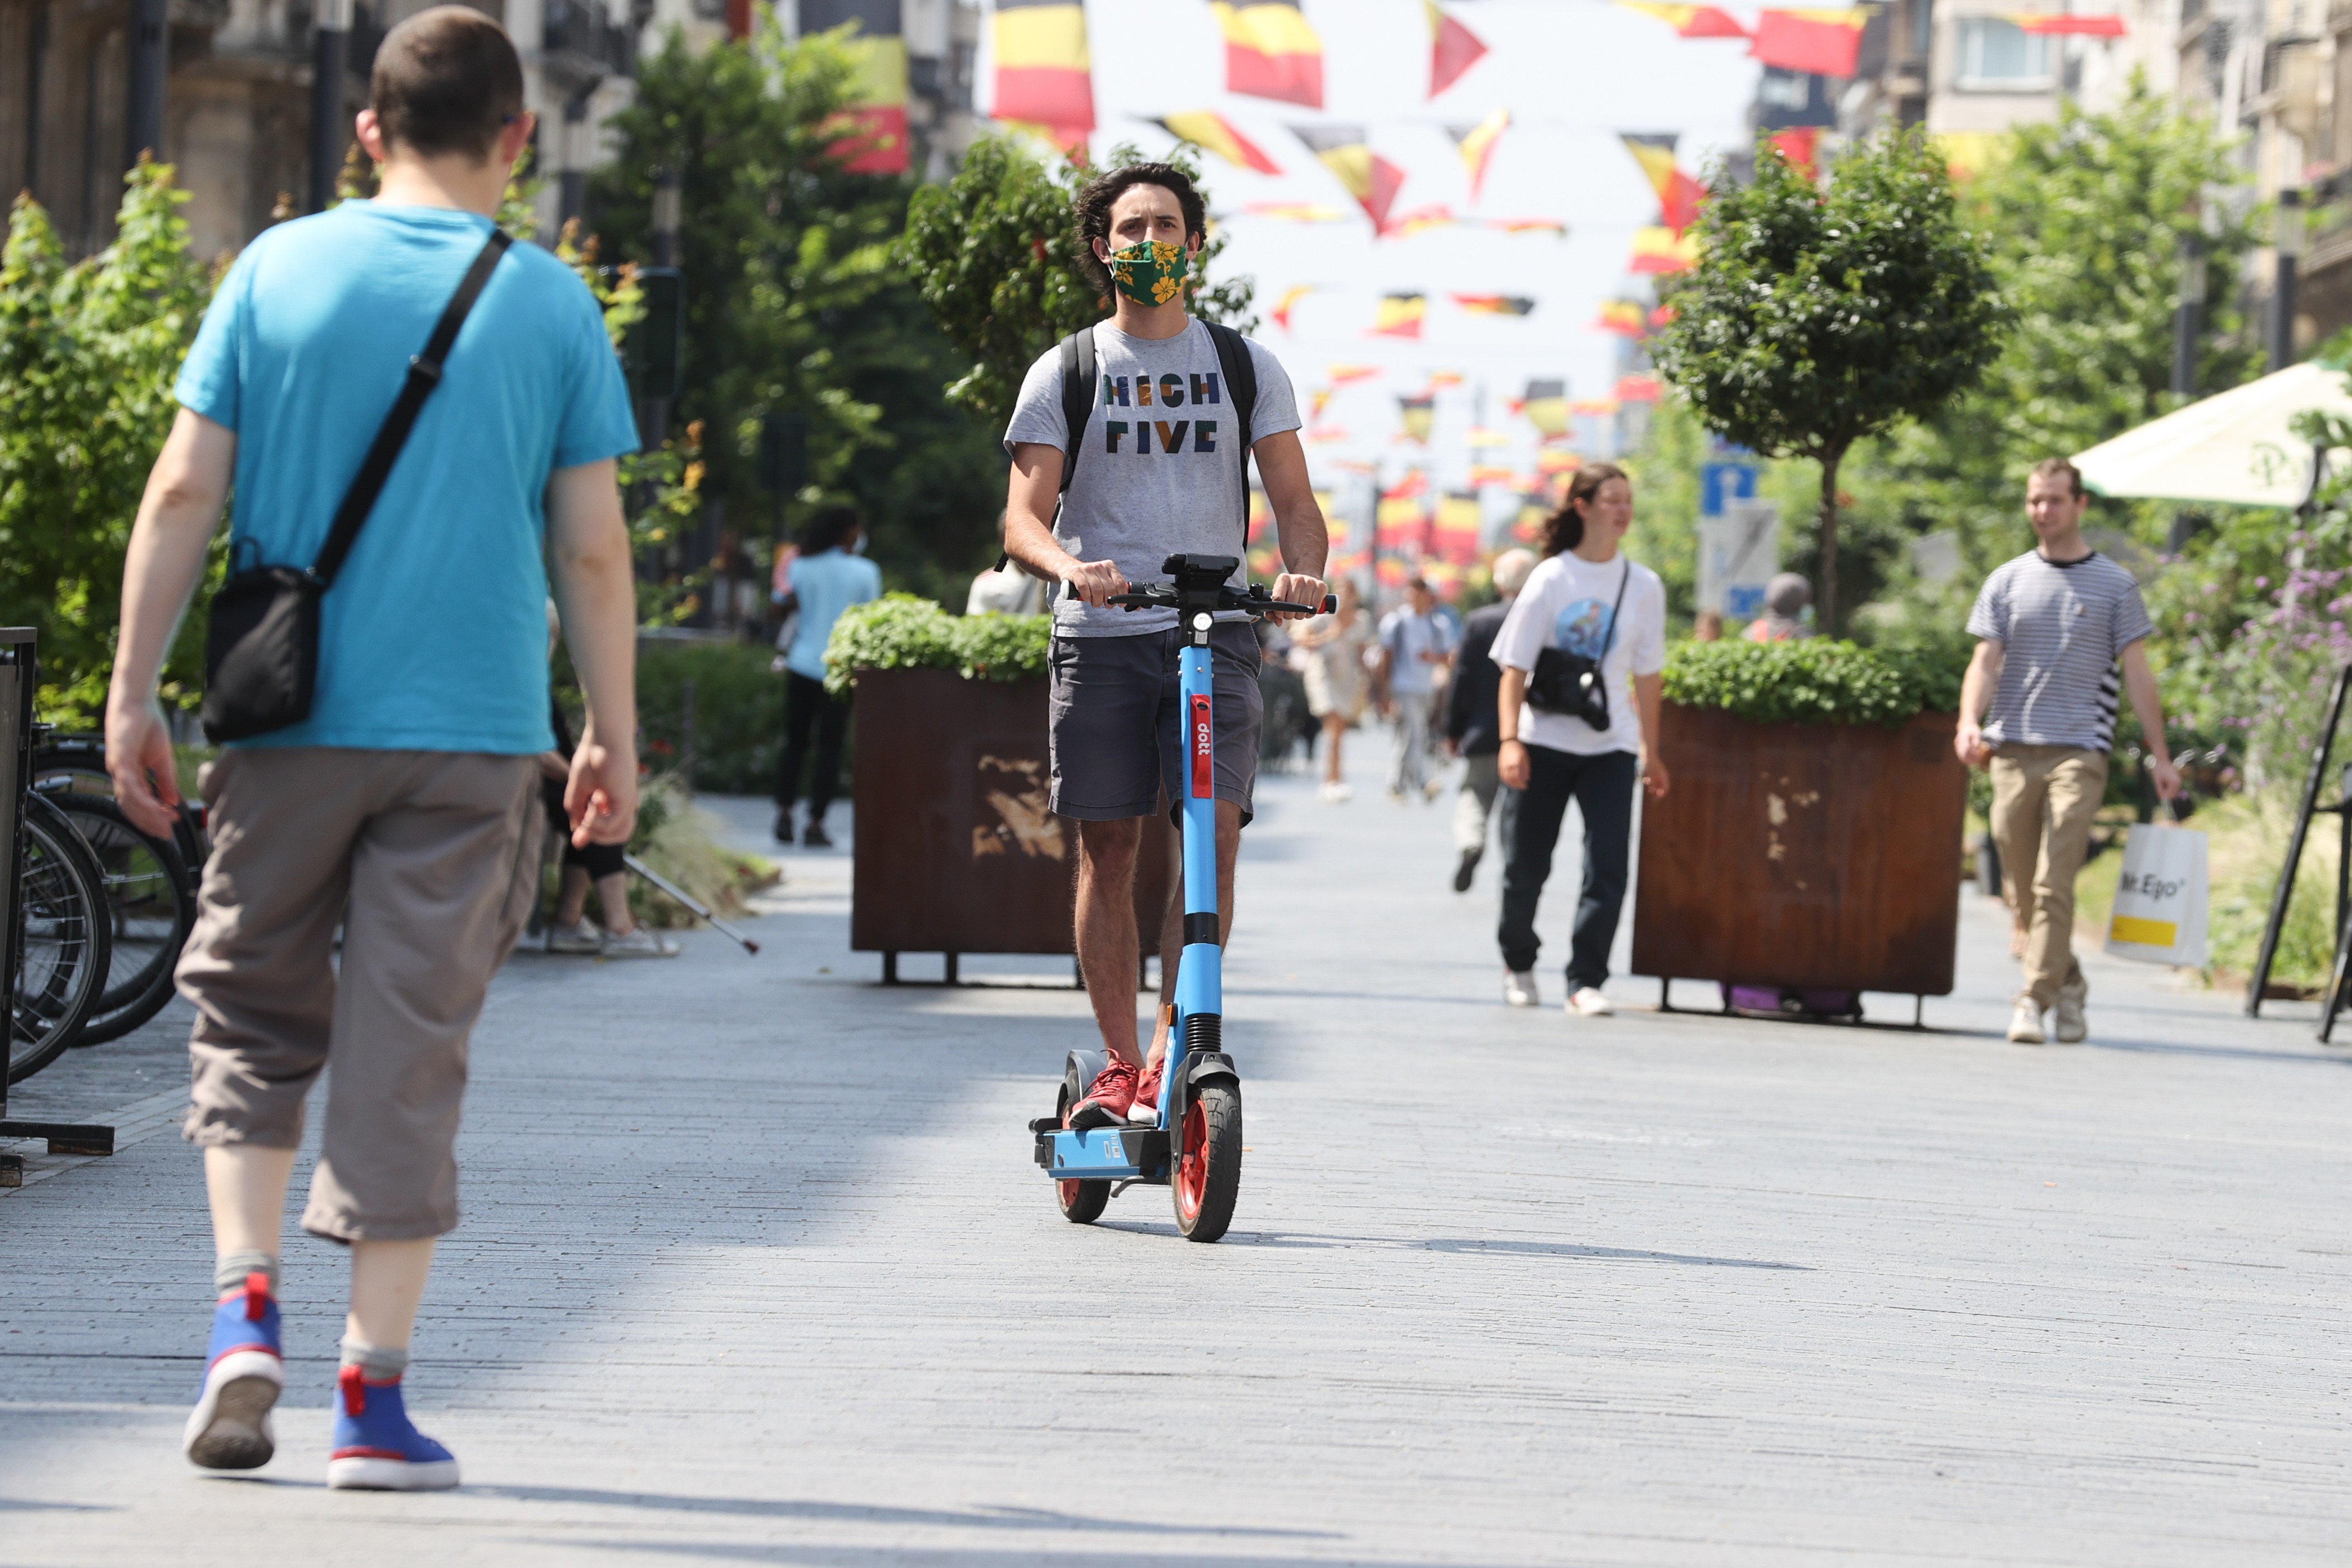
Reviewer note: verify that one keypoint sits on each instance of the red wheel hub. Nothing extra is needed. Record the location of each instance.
(1192, 1161)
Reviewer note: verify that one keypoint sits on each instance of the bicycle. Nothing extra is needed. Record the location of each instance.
(65, 939)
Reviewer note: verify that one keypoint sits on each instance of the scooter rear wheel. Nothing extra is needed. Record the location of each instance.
(1082, 1201)
(1207, 1178)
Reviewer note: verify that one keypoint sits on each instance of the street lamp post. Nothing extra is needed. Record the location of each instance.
(331, 53)
(2288, 244)
(151, 58)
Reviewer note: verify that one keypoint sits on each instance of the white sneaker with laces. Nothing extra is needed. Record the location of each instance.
(640, 943)
(1519, 989)
(1589, 1002)
(584, 937)
(2025, 1023)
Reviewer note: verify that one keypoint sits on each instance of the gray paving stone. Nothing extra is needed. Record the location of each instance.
(754, 1268)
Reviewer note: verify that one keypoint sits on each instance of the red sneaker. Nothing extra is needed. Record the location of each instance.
(1146, 1096)
(1106, 1098)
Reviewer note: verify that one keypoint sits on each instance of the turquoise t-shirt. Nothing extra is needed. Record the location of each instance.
(434, 636)
(826, 585)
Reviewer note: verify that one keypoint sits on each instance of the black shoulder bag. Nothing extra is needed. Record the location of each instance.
(261, 647)
(1570, 683)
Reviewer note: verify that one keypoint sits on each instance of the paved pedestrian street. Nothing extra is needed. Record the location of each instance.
(755, 1268)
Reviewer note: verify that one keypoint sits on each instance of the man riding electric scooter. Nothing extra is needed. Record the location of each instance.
(1131, 445)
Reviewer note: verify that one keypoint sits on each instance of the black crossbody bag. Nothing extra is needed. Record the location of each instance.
(1570, 683)
(261, 645)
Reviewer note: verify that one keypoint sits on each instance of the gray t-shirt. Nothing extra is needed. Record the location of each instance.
(2062, 626)
(1160, 471)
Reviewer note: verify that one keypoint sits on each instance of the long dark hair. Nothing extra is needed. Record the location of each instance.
(1564, 530)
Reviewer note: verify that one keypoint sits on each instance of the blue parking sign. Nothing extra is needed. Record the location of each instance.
(1721, 482)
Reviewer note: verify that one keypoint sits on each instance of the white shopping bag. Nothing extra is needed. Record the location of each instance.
(2160, 898)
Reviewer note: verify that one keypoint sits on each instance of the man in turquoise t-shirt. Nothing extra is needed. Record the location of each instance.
(829, 576)
(406, 809)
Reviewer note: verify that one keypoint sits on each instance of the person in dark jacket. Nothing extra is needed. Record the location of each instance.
(1470, 731)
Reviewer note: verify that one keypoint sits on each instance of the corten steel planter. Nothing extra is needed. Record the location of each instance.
(956, 851)
(1815, 855)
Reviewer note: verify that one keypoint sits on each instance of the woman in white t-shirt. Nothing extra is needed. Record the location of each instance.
(1587, 604)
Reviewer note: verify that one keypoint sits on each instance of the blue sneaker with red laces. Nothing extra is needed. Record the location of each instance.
(244, 1374)
(375, 1448)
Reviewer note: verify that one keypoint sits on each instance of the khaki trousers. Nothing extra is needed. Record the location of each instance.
(429, 861)
(2043, 798)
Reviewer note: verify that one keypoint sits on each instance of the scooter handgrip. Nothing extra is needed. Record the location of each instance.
(1330, 604)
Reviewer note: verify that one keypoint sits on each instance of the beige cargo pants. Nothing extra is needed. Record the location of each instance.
(429, 861)
(2043, 798)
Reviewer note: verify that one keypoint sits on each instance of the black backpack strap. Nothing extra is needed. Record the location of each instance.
(423, 375)
(1077, 397)
(1241, 380)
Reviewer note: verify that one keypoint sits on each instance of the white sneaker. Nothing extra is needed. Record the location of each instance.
(584, 937)
(1433, 789)
(1589, 1002)
(1336, 791)
(1519, 989)
(2025, 1024)
(640, 943)
(2071, 1029)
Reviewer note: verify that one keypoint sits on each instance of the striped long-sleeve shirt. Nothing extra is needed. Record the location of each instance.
(2062, 625)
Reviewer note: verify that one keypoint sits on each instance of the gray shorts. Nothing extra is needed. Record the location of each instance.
(1116, 730)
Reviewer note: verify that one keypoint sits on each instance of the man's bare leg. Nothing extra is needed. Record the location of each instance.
(1171, 930)
(1107, 936)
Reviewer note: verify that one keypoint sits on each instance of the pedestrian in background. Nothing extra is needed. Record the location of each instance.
(2038, 707)
(403, 811)
(1587, 607)
(1707, 627)
(1333, 647)
(1786, 599)
(830, 574)
(1470, 732)
(1416, 641)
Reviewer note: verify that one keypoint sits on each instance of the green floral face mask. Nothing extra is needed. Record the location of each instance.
(1150, 273)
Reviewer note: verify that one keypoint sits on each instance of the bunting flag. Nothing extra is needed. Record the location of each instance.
(1043, 69)
(1420, 416)
(2067, 27)
(1690, 21)
(1414, 483)
(1485, 474)
(871, 132)
(1421, 220)
(1557, 461)
(1530, 226)
(1528, 526)
(1659, 250)
(1296, 212)
(1494, 304)
(1638, 388)
(1623, 317)
(1400, 316)
(1603, 406)
(1460, 520)
(1820, 43)
(1443, 379)
(1290, 298)
(1271, 51)
(1453, 49)
(1476, 146)
(1341, 375)
(1545, 408)
(1316, 402)
(1661, 316)
(1213, 133)
(1799, 144)
(1485, 435)
(1372, 180)
(1401, 521)
(1678, 194)
(1327, 433)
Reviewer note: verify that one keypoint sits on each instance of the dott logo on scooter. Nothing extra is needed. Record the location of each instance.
(1204, 750)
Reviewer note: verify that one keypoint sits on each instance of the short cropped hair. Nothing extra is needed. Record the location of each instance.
(825, 530)
(445, 80)
(1096, 197)
(2059, 468)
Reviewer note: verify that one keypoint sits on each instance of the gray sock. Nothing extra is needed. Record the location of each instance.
(374, 1362)
(229, 1270)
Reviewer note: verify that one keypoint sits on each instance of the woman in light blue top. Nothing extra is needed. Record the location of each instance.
(830, 574)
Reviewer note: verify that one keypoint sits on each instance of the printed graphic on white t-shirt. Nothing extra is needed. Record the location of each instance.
(1567, 604)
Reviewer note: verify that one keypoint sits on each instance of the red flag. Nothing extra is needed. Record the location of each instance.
(1797, 145)
(1453, 49)
(2069, 27)
(1821, 43)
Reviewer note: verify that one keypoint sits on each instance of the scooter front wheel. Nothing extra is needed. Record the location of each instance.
(1208, 1175)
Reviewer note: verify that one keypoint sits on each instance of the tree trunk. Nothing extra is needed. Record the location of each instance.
(1826, 620)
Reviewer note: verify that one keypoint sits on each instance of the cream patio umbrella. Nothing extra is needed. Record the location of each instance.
(2235, 446)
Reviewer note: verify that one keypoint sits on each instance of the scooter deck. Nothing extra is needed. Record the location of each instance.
(1103, 1154)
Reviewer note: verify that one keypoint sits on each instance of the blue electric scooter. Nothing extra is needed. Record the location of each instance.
(1191, 1141)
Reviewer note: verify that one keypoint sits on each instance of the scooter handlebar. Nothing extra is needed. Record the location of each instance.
(1162, 598)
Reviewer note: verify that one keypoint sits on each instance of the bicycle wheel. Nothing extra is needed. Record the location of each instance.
(151, 902)
(64, 942)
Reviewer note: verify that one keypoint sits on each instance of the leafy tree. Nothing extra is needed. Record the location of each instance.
(88, 355)
(995, 253)
(1816, 317)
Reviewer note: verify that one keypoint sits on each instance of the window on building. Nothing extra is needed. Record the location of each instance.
(1998, 53)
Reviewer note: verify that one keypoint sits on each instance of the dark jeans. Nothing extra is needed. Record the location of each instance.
(806, 707)
(1603, 787)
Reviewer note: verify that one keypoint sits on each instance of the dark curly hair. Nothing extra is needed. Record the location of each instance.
(1094, 201)
(1564, 530)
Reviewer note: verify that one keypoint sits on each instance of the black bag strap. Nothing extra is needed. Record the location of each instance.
(1078, 379)
(1241, 379)
(1608, 638)
(423, 375)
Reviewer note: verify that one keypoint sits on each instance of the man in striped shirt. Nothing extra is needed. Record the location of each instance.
(2053, 626)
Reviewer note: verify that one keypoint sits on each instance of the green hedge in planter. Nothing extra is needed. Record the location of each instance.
(903, 631)
(739, 712)
(1812, 682)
